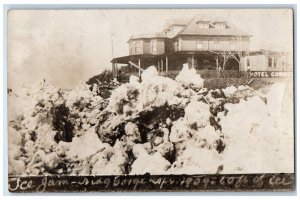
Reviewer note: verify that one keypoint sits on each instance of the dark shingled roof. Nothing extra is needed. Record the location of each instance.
(192, 28)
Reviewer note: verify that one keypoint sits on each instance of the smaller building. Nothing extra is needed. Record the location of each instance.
(267, 60)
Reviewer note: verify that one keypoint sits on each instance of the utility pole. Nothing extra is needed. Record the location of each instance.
(112, 45)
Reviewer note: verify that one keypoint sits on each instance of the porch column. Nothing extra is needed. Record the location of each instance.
(139, 67)
(162, 65)
(158, 65)
(115, 69)
(193, 65)
(167, 64)
(217, 62)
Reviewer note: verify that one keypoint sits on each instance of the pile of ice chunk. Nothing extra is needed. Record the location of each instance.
(153, 125)
(188, 77)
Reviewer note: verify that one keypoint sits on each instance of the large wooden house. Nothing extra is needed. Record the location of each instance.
(203, 43)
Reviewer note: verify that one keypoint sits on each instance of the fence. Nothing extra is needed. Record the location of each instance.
(206, 74)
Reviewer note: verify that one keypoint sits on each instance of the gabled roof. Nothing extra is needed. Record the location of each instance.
(178, 22)
(266, 52)
(192, 28)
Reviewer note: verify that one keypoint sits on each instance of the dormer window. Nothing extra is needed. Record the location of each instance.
(203, 25)
(220, 26)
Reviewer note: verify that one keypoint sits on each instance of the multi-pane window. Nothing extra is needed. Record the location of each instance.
(270, 61)
(154, 46)
(275, 62)
(199, 44)
(138, 47)
(176, 46)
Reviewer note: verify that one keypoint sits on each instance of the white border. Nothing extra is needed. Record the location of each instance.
(111, 3)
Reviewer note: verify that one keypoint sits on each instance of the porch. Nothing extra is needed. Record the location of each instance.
(206, 64)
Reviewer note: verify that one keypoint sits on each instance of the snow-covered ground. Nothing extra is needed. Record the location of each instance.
(157, 126)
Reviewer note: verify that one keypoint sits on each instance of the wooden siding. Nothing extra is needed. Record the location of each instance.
(208, 43)
(132, 47)
(261, 63)
(160, 47)
(146, 46)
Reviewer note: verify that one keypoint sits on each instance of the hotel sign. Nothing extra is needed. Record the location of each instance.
(271, 74)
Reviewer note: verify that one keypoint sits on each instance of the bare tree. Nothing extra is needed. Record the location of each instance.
(240, 52)
(237, 53)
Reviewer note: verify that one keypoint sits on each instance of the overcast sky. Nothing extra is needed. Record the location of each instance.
(68, 46)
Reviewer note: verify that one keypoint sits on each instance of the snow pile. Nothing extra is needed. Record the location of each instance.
(188, 77)
(82, 98)
(15, 161)
(197, 161)
(134, 100)
(154, 125)
(111, 163)
(194, 136)
(85, 106)
(149, 73)
(133, 79)
(229, 91)
(196, 116)
(46, 123)
(132, 132)
(254, 131)
(154, 164)
(35, 128)
(153, 91)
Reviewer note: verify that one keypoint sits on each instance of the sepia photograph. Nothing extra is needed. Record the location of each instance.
(150, 100)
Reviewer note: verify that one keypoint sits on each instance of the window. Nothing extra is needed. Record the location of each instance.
(137, 47)
(179, 45)
(220, 26)
(131, 48)
(199, 44)
(203, 25)
(270, 60)
(176, 46)
(154, 46)
(216, 45)
(283, 63)
(275, 62)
